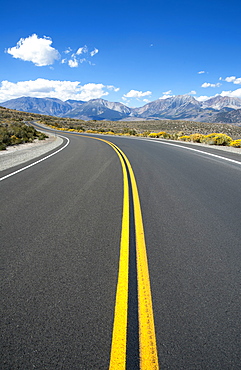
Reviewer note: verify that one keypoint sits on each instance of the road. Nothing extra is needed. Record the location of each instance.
(61, 223)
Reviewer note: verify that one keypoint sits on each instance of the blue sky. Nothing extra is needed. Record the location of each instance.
(126, 51)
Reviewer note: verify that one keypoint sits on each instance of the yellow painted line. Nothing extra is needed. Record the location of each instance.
(119, 335)
(147, 337)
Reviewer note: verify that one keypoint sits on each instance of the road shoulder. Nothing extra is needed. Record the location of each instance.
(18, 154)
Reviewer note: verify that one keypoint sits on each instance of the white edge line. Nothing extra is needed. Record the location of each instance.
(40, 160)
(196, 150)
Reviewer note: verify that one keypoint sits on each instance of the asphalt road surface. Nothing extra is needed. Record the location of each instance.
(61, 224)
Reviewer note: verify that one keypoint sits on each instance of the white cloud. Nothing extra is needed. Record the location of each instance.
(113, 88)
(95, 51)
(75, 57)
(167, 92)
(234, 79)
(92, 91)
(36, 50)
(73, 62)
(237, 81)
(233, 94)
(193, 92)
(203, 98)
(68, 50)
(207, 84)
(82, 50)
(230, 79)
(40, 52)
(137, 94)
(166, 96)
(201, 72)
(146, 100)
(43, 88)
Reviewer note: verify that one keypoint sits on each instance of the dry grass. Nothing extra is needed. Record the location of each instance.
(170, 126)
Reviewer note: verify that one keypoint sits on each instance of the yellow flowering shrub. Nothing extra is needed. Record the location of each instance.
(109, 133)
(208, 139)
(235, 143)
(216, 139)
(145, 134)
(153, 134)
(222, 139)
(184, 138)
(163, 134)
(92, 132)
(196, 138)
(211, 139)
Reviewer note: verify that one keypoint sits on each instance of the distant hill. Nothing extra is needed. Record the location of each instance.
(98, 109)
(139, 126)
(221, 109)
(233, 117)
(48, 106)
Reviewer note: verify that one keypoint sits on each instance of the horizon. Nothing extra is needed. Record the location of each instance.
(86, 101)
(131, 52)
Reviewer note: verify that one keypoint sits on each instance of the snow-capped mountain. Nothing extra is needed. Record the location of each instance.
(177, 107)
(98, 109)
(183, 107)
(221, 102)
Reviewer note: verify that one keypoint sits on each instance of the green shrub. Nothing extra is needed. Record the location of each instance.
(15, 140)
(17, 133)
(128, 131)
(2, 146)
(174, 136)
(145, 133)
(42, 136)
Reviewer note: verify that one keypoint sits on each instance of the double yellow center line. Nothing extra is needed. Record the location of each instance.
(147, 350)
(147, 339)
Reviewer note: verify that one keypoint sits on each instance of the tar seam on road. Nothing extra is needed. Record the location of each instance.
(34, 163)
(145, 349)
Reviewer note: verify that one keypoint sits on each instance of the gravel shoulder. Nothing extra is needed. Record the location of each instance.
(218, 147)
(18, 154)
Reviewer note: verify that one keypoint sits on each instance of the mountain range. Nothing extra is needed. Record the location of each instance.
(221, 109)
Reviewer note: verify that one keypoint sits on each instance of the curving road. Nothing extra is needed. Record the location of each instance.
(60, 231)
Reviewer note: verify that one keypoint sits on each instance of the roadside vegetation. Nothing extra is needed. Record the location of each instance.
(208, 133)
(18, 133)
(210, 139)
